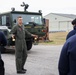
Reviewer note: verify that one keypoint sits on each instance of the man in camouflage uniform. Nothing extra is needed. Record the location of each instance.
(19, 33)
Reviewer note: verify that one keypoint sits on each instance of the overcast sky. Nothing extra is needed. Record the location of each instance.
(47, 6)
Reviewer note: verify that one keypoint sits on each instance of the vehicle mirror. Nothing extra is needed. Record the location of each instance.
(14, 21)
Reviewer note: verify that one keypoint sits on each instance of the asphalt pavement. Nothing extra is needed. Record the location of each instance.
(42, 60)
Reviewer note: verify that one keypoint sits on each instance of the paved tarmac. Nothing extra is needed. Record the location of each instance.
(42, 60)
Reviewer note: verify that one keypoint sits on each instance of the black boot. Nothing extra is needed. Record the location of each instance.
(21, 72)
(24, 69)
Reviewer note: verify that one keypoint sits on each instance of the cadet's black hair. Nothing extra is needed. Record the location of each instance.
(19, 17)
(74, 22)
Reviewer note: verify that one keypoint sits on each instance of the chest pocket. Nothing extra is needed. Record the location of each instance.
(20, 33)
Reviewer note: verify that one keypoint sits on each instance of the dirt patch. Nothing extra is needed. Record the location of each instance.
(57, 38)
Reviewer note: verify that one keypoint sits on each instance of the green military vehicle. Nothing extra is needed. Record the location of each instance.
(33, 22)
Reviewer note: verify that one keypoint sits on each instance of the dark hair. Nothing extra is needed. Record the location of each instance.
(74, 22)
(19, 17)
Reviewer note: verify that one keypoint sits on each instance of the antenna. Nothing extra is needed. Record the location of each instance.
(25, 6)
(13, 9)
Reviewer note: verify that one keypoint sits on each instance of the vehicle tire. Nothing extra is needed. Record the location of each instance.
(29, 45)
(2, 49)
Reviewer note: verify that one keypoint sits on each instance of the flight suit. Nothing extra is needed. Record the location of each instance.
(20, 44)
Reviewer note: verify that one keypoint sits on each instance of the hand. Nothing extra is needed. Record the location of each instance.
(34, 35)
(13, 36)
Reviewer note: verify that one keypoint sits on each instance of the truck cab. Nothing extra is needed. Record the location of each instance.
(33, 22)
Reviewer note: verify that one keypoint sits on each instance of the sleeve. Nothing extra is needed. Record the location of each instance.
(28, 34)
(63, 65)
(14, 30)
(4, 40)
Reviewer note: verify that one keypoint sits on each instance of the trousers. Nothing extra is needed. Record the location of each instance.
(2, 69)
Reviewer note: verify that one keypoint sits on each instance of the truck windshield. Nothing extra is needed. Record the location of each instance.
(27, 18)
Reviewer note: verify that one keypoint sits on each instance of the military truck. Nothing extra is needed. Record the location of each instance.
(33, 22)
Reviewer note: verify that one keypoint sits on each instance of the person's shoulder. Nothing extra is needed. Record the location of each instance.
(15, 26)
(1, 33)
(72, 38)
(71, 31)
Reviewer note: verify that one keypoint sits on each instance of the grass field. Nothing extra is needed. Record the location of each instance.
(57, 38)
